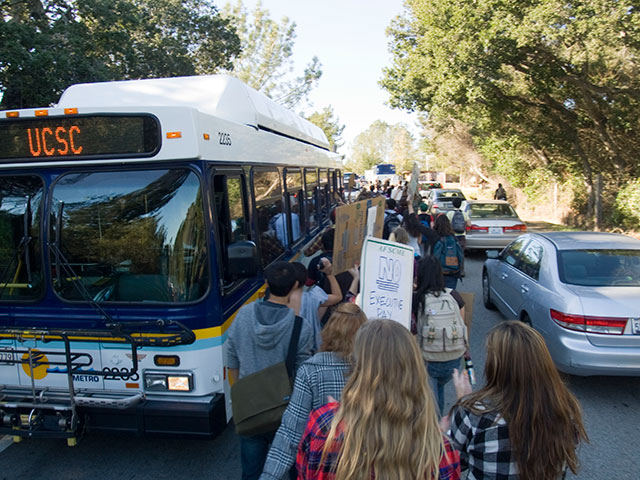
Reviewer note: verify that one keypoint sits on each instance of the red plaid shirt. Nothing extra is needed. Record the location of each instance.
(314, 438)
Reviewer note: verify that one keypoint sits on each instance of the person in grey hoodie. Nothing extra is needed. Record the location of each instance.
(259, 338)
(319, 378)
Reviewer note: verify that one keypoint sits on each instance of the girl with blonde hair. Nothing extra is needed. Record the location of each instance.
(386, 424)
(322, 376)
(524, 423)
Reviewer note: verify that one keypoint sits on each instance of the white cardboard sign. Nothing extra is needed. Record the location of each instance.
(386, 284)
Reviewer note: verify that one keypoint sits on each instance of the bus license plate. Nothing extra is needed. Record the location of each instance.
(495, 230)
(635, 326)
(6, 356)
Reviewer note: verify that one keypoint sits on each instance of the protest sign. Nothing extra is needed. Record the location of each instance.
(413, 184)
(386, 280)
(468, 309)
(353, 222)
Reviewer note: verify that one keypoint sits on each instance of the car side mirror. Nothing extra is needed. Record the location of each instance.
(493, 253)
(243, 259)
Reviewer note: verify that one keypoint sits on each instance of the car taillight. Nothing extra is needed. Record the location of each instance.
(521, 227)
(590, 324)
(475, 228)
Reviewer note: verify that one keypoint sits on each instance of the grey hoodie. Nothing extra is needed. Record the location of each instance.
(259, 337)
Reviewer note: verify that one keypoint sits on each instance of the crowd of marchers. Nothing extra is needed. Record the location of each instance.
(368, 395)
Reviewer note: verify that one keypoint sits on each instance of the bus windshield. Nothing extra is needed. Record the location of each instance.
(20, 246)
(135, 236)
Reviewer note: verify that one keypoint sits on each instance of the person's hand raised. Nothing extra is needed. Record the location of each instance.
(326, 266)
(461, 383)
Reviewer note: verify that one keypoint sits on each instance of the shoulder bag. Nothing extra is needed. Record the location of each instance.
(259, 400)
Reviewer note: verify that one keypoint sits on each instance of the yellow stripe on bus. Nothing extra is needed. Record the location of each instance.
(201, 333)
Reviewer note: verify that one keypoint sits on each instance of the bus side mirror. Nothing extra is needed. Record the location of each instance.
(243, 259)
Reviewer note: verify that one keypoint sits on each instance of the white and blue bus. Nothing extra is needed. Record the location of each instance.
(136, 218)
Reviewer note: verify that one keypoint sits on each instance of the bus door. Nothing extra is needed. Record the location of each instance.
(232, 224)
(21, 265)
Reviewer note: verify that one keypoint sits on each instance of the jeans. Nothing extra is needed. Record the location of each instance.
(253, 454)
(450, 281)
(440, 374)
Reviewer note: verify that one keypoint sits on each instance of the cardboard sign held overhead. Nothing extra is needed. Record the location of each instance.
(353, 223)
(386, 280)
(413, 184)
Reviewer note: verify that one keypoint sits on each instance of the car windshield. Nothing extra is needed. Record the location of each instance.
(492, 210)
(600, 268)
(449, 195)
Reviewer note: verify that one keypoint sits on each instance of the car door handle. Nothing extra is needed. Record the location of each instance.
(524, 288)
(504, 276)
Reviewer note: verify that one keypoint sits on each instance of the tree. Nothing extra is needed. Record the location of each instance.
(330, 126)
(383, 143)
(266, 62)
(557, 82)
(46, 46)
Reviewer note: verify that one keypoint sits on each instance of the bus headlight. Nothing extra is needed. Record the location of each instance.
(168, 382)
(155, 382)
(180, 383)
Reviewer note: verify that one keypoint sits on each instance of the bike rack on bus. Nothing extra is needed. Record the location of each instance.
(52, 412)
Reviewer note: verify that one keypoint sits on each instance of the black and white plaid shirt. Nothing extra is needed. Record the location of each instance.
(483, 442)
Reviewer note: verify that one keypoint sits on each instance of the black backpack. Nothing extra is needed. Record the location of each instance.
(391, 222)
(458, 223)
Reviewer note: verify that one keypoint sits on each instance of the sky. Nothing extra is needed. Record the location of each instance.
(349, 38)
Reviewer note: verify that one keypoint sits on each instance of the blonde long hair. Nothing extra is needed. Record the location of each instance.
(523, 385)
(340, 331)
(387, 412)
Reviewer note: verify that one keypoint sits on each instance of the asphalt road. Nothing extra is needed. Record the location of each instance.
(611, 411)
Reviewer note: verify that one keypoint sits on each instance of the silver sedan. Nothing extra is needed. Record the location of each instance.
(492, 224)
(580, 290)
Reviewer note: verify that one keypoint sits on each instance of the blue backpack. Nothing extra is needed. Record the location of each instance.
(451, 257)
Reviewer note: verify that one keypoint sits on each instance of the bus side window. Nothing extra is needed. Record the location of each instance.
(311, 183)
(230, 207)
(333, 188)
(293, 182)
(324, 193)
(272, 224)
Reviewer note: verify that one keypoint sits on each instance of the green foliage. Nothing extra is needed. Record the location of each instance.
(561, 78)
(330, 125)
(383, 143)
(266, 62)
(46, 46)
(627, 206)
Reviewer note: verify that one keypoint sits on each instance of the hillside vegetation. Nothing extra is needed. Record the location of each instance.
(543, 95)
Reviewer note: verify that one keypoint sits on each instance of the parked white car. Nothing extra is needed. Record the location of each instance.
(493, 224)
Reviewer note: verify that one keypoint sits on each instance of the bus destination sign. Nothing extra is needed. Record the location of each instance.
(91, 136)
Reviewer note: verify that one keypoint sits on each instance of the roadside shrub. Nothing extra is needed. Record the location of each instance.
(626, 213)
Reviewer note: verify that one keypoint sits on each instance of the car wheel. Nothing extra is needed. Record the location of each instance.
(486, 292)
(526, 319)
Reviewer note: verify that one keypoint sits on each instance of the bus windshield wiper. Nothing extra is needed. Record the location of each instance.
(26, 238)
(63, 266)
(183, 336)
(21, 251)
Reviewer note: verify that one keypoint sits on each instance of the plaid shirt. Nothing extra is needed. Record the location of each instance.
(483, 442)
(322, 375)
(315, 436)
